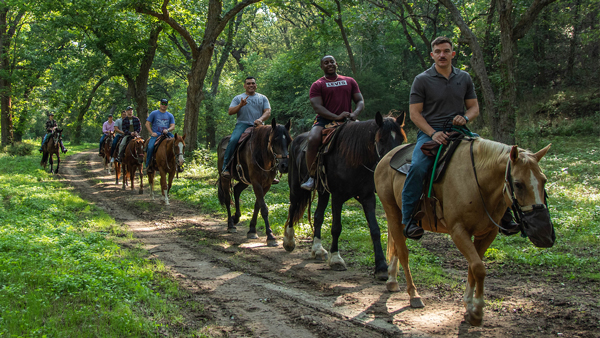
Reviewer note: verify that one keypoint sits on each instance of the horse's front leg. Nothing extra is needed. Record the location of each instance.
(132, 171)
(317, 250)
(473, 304)
(163, 186)
(124, 175)
(368, 204)
(51, 163)
(335, 260)
(151, 183)
(57, 162)
(141, 172)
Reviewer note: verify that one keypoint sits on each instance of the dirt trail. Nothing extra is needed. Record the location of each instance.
(251, 290)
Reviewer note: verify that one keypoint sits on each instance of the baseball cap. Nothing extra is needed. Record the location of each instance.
(129, 108)
(109, 115)
(51, 114)
(164, 101)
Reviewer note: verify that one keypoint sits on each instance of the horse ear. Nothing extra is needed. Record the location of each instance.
(514, 154)
(288, 125)
(379, 119)
(273, 123)
(542, 152)
(183, 138)
(401, 118)
(175, 135)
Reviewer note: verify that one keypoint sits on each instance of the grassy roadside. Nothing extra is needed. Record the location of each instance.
(63, 273)
(574, 190)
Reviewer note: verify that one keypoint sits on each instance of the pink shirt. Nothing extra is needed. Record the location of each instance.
(108, 127)
(337, 94)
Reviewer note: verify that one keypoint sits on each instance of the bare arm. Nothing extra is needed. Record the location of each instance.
(415, 115)
(471, 113)
(360, 105)
(265, 116)
(171, 127)
(234, 110)
(149, 128)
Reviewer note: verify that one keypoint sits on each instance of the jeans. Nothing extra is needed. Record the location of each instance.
(413, 186)
(150, 150)
(44, 141)
(235, 137)
(123, 144)
(114, 144)
(101, 141)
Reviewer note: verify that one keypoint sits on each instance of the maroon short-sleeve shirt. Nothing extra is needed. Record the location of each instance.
(337, 94)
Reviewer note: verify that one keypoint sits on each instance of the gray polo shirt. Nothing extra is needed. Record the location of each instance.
(255, 105)
(442, 98)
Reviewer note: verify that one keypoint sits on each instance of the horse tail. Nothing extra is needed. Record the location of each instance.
(224, 196)
(299, 198)
(44, 158)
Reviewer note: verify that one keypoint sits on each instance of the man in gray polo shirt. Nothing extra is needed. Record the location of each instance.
(440, 93)
(252, 109)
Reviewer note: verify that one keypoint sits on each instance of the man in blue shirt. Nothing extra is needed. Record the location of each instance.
(158, 122)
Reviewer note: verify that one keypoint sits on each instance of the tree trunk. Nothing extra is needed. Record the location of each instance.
(195, 94)
(573, 44)
(504, 124)
(83, 110)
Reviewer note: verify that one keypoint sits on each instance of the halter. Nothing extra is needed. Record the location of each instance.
(175, 155)
(136, 155)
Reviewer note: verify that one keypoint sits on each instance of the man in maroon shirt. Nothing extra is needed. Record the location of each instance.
(331, 97)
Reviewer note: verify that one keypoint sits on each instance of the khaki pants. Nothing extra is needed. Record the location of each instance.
(122, 146)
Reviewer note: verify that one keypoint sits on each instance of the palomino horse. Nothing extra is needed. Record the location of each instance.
(133, 160)
(256, 164)
(106, 151)
(168, 156)
(349, 165)
(52, 147)
(473, 195)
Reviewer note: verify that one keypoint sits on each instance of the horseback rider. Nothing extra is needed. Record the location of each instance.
(131, 127)
(50, 126)
(118, 135)
(252, 109)
(440, 93)
(331, 97)
(158, 122)
(107, 127)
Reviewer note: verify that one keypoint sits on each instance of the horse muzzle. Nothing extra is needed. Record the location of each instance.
(282, 165)
(538, 226)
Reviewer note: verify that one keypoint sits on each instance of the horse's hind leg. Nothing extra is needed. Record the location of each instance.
(57, 162)
(368, 204)
(237, 190)
(398, 254)
(252, 230)
(141, 179)
(335, 260)
(473, 252)
(317, 250)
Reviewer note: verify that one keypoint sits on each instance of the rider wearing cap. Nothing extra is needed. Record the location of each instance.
(158, 122)
(107, 127)
(118, 135)
(50, 126)
(131, 127)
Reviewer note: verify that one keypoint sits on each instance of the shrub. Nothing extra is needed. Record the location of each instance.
(20, 149)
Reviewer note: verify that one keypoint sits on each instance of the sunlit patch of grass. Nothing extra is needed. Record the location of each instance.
(62, 272)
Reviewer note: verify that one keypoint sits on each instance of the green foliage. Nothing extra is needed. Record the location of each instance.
(20, 149)
(62, 272)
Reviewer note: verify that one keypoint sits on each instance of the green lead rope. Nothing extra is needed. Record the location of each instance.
(461, 129)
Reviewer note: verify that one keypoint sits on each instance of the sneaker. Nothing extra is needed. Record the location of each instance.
(309, 184)
(413, 231)
(226, 174)
(65, 150)
(112, 160)
(275, 181)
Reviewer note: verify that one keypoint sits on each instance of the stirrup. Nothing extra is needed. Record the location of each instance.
(413, 231)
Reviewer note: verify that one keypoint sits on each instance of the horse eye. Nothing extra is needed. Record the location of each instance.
(519, 185)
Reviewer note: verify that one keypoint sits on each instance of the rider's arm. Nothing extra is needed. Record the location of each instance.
(149, 127)
(137, 127)
(472, 109)
(415, 115)
(360, 105)
(171, 127)
(265, 116)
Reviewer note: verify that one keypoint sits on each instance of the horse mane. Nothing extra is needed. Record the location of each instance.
(356, 140)
(491, 153)
(260, 142)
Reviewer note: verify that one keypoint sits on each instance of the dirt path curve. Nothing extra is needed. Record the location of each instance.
(251, 290)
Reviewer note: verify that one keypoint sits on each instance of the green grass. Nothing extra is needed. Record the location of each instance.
(62, 272)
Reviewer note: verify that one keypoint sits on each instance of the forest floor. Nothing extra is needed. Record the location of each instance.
(251, 290)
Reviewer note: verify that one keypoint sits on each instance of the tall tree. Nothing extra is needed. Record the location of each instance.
(214, 23)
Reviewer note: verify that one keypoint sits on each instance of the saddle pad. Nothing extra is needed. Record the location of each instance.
(327, 136)
(245, 135)
(402, 158)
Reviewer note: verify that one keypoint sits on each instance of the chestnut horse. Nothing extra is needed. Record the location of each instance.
(256, 164)
(349, 165)
(52, 147)
(133, 160)
(168, 156)
(106, 151)
(481, 181)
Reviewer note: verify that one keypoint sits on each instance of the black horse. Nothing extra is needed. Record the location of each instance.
(349, 165)
(52, 147)
(256, 164)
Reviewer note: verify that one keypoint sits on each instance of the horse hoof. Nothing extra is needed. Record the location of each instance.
(232, 230)
(289, 247)
(473, 320)
(416, 303)
(235, 219)
(251, 235)
(141, 192)
(393, 287)
(272, 243)
(338, 267)
(381, 275)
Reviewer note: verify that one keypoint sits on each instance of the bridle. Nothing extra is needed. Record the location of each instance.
(136, 155)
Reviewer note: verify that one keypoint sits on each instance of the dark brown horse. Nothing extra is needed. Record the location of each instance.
(256, 164)
(133, 160)
(106, 151)
(349, 166)
(168, 156)
(52, 147)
